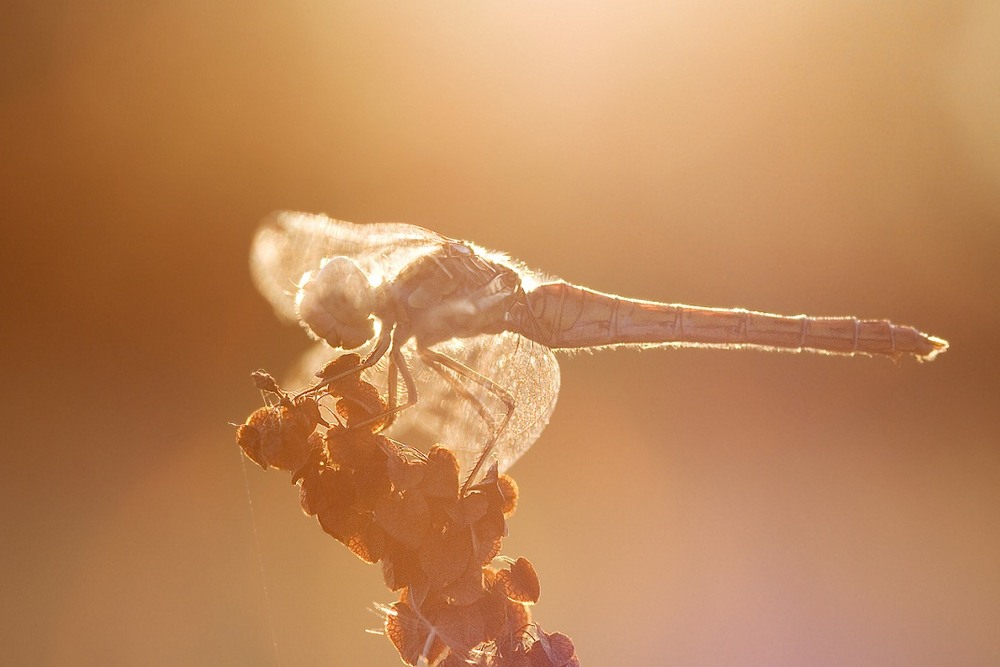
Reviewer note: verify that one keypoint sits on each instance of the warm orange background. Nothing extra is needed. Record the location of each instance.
(684, 507)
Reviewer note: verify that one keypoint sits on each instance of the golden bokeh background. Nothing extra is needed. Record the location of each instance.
(683, 507)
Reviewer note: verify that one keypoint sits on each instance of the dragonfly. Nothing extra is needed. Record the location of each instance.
(462, 338)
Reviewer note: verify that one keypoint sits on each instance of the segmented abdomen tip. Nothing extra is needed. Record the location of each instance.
(930, 347)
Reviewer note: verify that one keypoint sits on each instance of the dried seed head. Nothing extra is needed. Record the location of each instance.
(508, 489)
(258, 435)
(290, 449)
(345, 365)
(278, 435)
(249, 440)
(263, 381)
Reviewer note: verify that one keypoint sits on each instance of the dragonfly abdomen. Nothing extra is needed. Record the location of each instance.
(568, 316)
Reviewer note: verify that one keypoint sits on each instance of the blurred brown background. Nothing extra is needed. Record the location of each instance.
(683, 507)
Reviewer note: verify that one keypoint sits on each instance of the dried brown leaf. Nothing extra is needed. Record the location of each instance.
(520, 582)
(555, 649)
(441, 478)
(404, 516)
(469, 509)
(405, 474)
(367, 541)
(362, 404)
(409, 633)
(468, 588)
(462, 628)
(401, 568)
(489, 532)
(354, 448)
(445, 555)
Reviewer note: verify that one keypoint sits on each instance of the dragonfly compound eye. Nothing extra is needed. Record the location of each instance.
(335, 303)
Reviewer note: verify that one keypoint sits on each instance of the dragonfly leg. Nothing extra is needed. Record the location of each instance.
(384, 342)
(393, 388)
(396, 364)
(389, 414)
(436, 360)
(476, 404)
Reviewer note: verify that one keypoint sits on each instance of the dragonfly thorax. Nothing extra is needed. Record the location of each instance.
(335, 303)
(453, 293)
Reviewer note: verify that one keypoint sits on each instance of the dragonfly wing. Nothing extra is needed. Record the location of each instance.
(527, 371)
(288, 244)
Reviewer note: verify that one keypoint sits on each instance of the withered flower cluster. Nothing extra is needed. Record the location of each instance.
(391, 504)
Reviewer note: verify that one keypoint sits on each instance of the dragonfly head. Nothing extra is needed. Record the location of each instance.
(335, 304)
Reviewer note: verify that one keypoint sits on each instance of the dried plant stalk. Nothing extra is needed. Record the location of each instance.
(458, 602)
